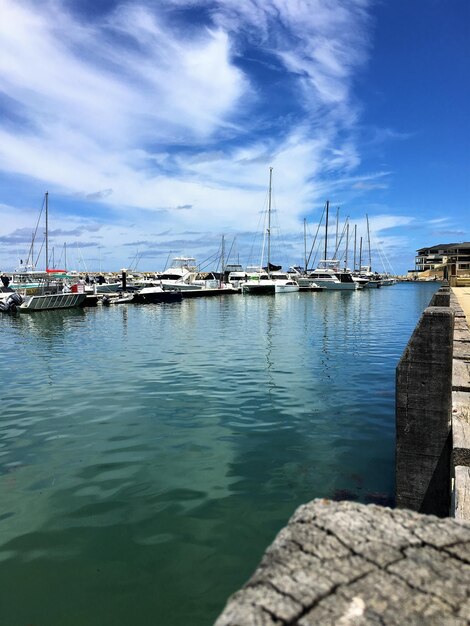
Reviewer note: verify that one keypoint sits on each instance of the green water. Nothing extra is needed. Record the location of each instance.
(149, 454)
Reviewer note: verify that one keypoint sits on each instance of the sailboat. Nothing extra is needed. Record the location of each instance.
(328, 274)
(267, 282)
(52, 294)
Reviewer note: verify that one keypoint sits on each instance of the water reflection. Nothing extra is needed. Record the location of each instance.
(48, 325)
(270, 312)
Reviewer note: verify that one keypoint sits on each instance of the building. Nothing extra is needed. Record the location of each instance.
(444, 260)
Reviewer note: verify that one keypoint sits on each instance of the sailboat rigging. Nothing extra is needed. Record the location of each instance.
(268, 280)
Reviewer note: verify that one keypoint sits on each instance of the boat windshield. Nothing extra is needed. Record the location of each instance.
(170, 277)
(345, 278)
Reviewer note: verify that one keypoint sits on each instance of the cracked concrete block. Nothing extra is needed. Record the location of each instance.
(425, 578)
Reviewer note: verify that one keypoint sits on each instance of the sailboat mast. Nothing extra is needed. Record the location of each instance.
(360, 256)
(337, 224)
(305, 244)
(347, 246)
(47, 229)
(269, 220)
(326, 229)
(222, 276)
(368, 240)
(355, 236)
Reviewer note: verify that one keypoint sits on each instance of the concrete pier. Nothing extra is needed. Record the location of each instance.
(433, 412)
(343, 563)
(461, 405)
(423, 415)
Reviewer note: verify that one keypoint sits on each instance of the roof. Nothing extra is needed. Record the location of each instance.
(446, 246)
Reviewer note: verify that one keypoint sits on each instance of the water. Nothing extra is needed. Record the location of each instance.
(149, 454)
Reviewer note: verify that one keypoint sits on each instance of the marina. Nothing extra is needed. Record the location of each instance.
(140, 445)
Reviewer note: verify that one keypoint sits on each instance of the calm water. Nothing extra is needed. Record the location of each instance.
(149, 454)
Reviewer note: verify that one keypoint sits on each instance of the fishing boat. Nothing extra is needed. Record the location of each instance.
(181, 275)
(235, 275)
(329, 276)
(51, 292)
(283, 283)
(154, 294)
(258, 282)
(50, 301)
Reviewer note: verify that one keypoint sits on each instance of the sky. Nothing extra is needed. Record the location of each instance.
(153, 127)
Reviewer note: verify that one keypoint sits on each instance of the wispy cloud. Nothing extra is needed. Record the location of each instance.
(171, 131)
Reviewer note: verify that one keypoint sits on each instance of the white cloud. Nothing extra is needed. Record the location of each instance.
(324, 42)
(106, 105)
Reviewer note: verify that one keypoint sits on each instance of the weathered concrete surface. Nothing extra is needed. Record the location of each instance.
(461, 374)
(423, 415)
(462, 493)
(461, 350)
(461, 429)
(344, 563)
(441, 297)
(462, 295)
(462, 333)
(460, 508)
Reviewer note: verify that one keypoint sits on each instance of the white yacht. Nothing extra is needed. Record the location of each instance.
(235, 274)
(283, 283)
(329, 276)
(181, 275)
(258, 282)
(370, 279)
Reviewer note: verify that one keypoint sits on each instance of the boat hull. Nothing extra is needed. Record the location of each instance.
(179, 286)
(332, 286)
(204, 293)
(156, 298)
(286, 288)
(52, 302)
(259, 290)
(106, 288)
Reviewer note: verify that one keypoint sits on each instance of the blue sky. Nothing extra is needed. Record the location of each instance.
(153, 126)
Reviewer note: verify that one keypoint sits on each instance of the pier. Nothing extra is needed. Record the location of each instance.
(349, 563)
(433, 411)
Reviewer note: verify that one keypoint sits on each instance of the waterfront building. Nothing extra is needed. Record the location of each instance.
(443, 260)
